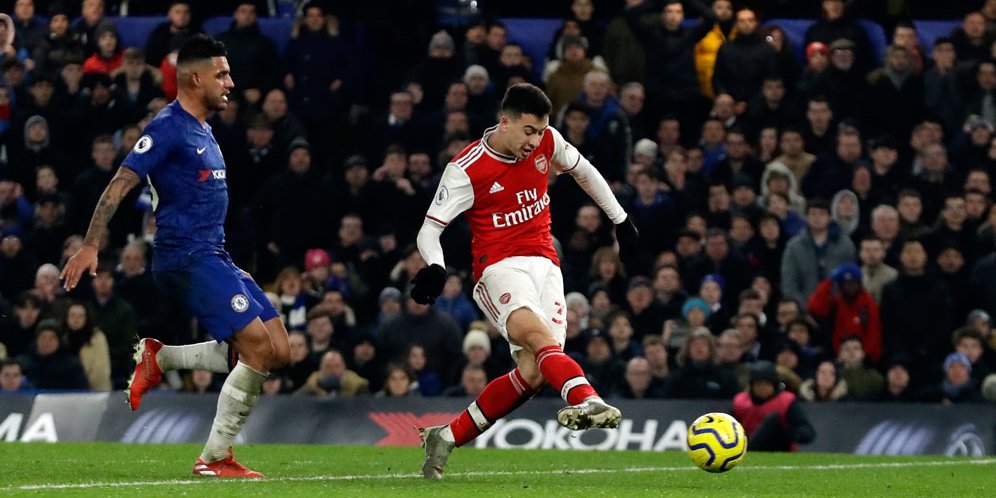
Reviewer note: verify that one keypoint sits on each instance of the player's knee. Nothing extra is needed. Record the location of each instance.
(534, 378)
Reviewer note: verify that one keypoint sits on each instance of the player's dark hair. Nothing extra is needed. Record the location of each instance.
(525, 98)
(198, 48)
(8, 362)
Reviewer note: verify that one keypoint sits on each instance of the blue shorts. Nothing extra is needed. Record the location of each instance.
(214, 290)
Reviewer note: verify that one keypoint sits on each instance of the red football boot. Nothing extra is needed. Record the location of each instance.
(226, 467)
(147, 372)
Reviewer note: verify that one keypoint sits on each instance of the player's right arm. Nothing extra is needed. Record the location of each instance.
(149, 151)
(86, 258)
(454, 195)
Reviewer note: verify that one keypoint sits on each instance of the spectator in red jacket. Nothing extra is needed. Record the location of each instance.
(847, 308)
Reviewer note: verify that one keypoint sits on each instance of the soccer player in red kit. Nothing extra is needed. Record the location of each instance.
(500, 182)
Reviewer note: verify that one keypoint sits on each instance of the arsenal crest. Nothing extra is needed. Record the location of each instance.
(541, 164)
(505, 298)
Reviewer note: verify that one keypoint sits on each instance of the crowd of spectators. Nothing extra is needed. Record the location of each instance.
(833, 216)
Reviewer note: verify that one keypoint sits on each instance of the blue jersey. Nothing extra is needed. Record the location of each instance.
(186, 172)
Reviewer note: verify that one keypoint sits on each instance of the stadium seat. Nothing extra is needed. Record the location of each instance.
(135, 30)
(932, 30)
(277, 28)
(535, 36)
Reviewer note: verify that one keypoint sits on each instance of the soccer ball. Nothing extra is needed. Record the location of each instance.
(716, 442)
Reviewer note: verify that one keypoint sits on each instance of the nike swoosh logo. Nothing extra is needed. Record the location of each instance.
(201, 150)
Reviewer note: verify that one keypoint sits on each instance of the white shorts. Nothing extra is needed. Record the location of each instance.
(531, 282)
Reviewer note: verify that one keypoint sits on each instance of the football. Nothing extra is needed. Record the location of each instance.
(716, 442)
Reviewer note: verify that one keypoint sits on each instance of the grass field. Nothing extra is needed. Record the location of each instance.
(107, 469)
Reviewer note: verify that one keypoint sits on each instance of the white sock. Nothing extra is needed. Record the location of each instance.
(211, 356)
(447, 435)
(237, 399)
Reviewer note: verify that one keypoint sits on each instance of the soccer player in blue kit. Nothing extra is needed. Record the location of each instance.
(186, 172)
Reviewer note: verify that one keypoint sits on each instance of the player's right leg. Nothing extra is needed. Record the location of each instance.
(586, 408)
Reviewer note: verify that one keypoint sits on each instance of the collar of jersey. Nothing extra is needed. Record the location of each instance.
(491, 151)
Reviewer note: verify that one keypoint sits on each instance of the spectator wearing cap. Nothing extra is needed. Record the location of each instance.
(970, 147)
(481, 95)
(846, 308)
(603, 368)
(316, 270)
(981, 322)
(838, 23)
(845, 212)
(289, 207)
(564, 76)
(957, 387)
(699, 376)
(477, 353)
(916, 314)
(48, 365)
(813, 80)
(695, 314)
(646, 312)
(770, 414)
(812, 254)
(743, 63)
(434, 73)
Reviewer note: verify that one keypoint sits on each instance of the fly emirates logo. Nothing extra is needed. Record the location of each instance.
(530, 206)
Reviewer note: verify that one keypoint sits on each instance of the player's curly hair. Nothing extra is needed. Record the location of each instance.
(199, 47)
(524, 98)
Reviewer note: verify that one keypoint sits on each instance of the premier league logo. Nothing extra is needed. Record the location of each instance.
(442, 195)
(541, 164)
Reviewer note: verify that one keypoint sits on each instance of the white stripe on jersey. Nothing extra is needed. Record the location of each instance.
(472, 156)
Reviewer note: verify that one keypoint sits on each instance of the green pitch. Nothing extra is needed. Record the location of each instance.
(106, 469)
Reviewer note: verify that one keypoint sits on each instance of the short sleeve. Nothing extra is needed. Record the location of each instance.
(565, 155)
(454, 195)
(151, 149)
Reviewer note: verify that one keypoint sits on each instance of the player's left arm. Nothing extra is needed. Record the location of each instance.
(567, 159)
(86, 258)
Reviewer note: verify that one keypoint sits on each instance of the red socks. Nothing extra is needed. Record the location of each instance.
(508, 392)
(499, 398)
(564, 374)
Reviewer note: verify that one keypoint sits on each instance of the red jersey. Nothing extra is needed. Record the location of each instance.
(505, 199)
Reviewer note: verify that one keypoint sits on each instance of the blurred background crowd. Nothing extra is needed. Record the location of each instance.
(813, 184)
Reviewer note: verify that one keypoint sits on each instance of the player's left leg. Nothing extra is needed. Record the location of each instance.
(499, 398)
(238, 397)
